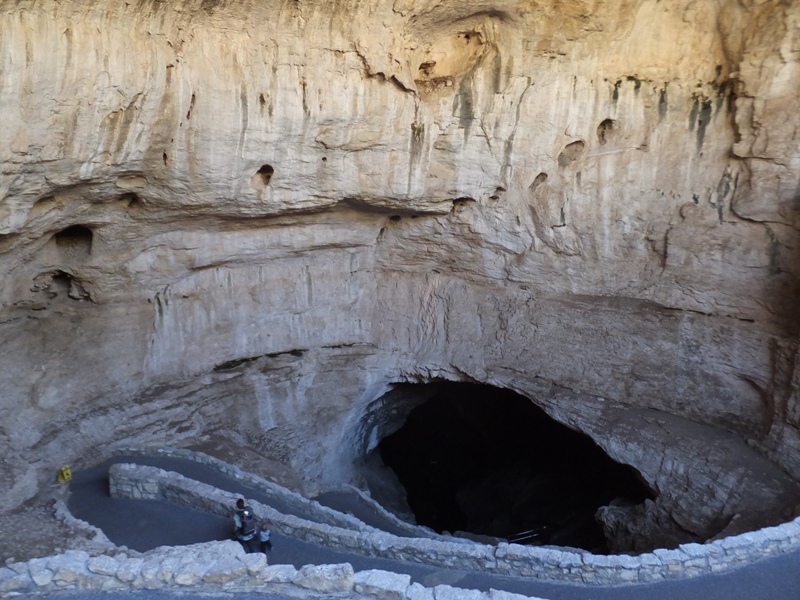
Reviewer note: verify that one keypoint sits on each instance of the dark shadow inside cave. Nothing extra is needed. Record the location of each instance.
(487, 461)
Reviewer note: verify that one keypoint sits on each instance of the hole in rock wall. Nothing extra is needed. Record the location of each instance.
(74, 242)
(604, 130)
(261, 179)
(131, 200)
(487, 461)
(427, 67)
(538, 180)
(59, 283)
(571, 153)
(266, 172)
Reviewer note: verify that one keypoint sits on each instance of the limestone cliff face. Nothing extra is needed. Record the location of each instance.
(216, 209)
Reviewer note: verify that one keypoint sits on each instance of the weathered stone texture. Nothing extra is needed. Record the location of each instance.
(249, 219)
(325, 578)
(381, 584)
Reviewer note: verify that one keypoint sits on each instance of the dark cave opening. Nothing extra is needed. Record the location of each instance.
(487, 461)
(74, 241)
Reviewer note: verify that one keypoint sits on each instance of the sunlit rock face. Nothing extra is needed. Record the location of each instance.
(247, 220)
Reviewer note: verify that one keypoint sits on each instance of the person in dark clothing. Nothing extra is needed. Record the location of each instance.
(246, 527)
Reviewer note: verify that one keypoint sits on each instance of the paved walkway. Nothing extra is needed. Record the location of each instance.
(143, 525)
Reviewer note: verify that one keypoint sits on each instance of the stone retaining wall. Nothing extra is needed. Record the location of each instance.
(547, 563)
(217, 566)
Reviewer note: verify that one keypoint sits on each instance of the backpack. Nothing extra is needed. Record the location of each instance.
(248, 521)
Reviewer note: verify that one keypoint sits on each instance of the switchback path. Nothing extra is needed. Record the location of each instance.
(144, 524)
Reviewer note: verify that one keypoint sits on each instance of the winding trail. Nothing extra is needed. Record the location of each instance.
(143, 525)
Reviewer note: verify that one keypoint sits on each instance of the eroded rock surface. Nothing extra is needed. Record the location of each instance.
(246, 220)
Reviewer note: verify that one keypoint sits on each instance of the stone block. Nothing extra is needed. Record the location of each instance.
(417, 591)
(447, 592)
(700, 563)
(130, 569)
(18, 583)
(39, 573)
(150, 568)
(512, 552)
(111, 584)
(210, 551)
(600, 561)
(167, 569)
(189, 573)
(255, 562)
(18, 567)
(669, 557)
(648, 560)
(103, 565)
(694, 550)
(382, 584)
(730, 544)
(569, 560)
(224, 569)
(675, 571)
(627, 562)
(326, 578)
(278, 574)
(70, 567)
(554, 557)
(648, 576)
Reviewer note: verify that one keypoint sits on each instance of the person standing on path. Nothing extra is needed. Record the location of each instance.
(263, 536)
(245, 527)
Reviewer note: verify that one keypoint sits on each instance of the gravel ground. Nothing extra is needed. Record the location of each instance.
(33, 531)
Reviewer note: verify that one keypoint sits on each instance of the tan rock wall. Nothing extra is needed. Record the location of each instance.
(601, 195)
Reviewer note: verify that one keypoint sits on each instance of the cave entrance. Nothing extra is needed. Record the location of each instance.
(487, 461)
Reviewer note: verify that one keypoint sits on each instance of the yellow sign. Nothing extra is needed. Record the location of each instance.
(65, 474)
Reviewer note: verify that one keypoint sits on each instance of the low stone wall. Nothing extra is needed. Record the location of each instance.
(217, 566)
(313, 510)
(547, 563)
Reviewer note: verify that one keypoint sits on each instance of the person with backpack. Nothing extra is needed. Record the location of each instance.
(246, 527)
